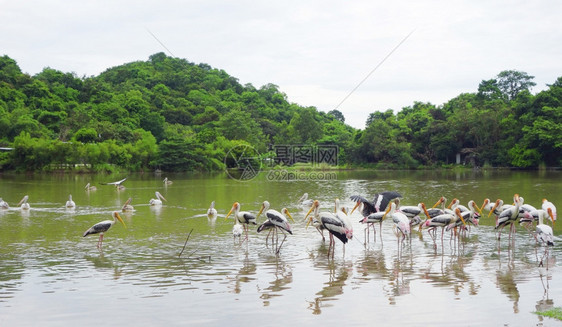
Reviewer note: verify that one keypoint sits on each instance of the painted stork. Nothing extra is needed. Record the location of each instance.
(243, 217)
(401, 222)
(332, 223)
(508, 216)
(23, 203)
(70, 204)
(158, 200)
(543, 232)
(379, 203)
(546, 205)
(277, 219)
(103, 227)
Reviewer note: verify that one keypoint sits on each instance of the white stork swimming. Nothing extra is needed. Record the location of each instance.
(277, 219)
(89, 187)
(158, 200)
(305, 202)
(549, 208)
(166, 181)
(127, 207)
(243, 217)
(212, 212)
(70, 204)
(103, 227)
(332, 223)
(23, 203)
(4, 204)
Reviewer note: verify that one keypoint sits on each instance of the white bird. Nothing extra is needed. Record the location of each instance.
(544, 233)
(103, 227)
(212, 212)
(158, 200)
(127, 206)
(4, 204)
(509, 216)
(89, 187)
(332, 223)
(243, 217)
(166, 181)
(237, 229)
(278, 220)
(23, 203)
(118, 184)
(70, 204)
(305, 202)
(549, 208)
(401, 226)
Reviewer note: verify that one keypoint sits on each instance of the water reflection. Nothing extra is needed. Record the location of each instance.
(338, 272)
(282, 277)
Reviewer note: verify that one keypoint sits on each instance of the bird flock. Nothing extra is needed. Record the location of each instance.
(454, 218)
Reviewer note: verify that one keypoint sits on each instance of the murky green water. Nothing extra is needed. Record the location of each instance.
(51, 276)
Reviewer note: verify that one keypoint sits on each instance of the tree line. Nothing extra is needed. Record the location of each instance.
(171, 114)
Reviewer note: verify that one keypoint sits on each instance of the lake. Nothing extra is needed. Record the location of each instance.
(51, 276)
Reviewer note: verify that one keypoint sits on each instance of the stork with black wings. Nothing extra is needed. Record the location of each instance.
(379, 203)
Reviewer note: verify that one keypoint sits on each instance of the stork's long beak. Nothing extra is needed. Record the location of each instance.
(425, 211)
(356, 205)
(493, 208)
(229, 213)
(289, 214)
(441, 199)
(120, 219)
(451, 204)
(386, 213)
(551, 215)
(261, 210)
(314, 205)
(478, 209)
(485, 203)
(458, 212)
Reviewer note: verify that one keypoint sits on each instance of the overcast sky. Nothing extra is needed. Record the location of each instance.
(317, 52)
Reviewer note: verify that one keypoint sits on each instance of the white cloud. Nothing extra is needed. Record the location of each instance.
(315, 51)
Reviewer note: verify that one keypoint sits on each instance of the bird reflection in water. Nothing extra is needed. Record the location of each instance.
(244, 274)
(545, 303)
(283, 276)
(338, 273)
(505, 281)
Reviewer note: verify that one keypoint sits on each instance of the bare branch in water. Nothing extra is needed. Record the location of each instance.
(187, 239)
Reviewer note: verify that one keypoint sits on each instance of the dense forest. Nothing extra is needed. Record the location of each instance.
(170, 114)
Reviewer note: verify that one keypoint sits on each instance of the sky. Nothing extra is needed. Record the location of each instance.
(316, 52)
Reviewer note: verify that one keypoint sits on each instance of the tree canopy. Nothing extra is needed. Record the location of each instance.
(172, 114)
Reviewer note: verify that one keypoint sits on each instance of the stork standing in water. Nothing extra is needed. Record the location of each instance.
(103, 227)
(70, 204)
(401, 226)
(549, 208)
(543, 233)
(212, 212)
(23, 203)
(275, 221)
(332, 223)
(508, 217)
(243, 217)
(158, 200)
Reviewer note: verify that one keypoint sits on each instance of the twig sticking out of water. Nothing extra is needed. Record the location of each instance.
(184, 245)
